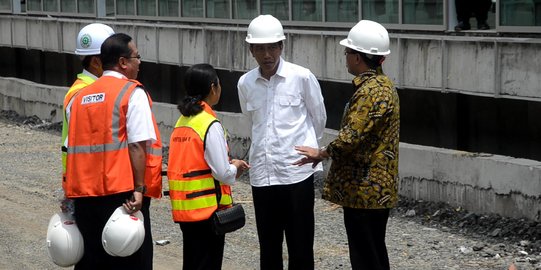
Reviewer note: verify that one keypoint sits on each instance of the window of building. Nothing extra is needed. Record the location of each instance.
(520, 12)
(218, 9)
(168, 8)
(342, 10)
(110, 7)
(382, 11)
(50, 5)
(5, 5)
(192, 8)
(85, 6)
(33, 5)
(307, 10)
(125, 7)
(146, 7)
(423, 12)
(277, 8)
(244, 9)
(67, 6)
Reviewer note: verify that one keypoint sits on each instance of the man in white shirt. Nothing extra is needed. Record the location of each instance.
(283, 101)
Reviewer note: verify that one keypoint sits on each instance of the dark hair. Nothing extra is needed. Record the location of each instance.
(198, 80)
(86, 61)
(372, 61)
(113, 48)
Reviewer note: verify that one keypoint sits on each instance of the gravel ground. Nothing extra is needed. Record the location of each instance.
(420, 235)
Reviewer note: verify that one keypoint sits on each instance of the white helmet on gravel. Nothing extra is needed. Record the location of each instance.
(64, 241)
(368, 37)
(91, 37)
(265, 29)
(123, 233)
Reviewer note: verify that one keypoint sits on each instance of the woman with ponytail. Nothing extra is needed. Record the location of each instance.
(199, 171)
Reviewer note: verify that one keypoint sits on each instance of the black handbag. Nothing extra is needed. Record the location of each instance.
(228, 219)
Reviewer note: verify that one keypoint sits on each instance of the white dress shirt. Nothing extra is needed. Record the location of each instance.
(139, 123)
(285, 111)
(216, 155)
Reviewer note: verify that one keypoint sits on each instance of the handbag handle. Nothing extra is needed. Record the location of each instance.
(219, 192)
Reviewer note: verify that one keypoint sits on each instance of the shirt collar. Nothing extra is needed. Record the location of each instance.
(115, 74)
(87, 73)
(361, 78)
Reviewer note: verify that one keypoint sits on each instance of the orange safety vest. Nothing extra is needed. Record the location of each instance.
(192, 188)
(153, 170)
(98, 158)
(82, 81)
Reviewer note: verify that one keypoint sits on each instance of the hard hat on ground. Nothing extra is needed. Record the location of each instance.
(368, 37)
(91, 37)
(64, 241)
(265, 29)
(123, 233)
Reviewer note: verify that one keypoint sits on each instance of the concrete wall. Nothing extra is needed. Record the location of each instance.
(487, 65)
(481, 183)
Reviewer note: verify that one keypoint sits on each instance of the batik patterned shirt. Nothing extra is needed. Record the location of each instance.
(364, 170)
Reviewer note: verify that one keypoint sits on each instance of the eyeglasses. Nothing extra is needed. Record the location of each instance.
(137, 56)
(350, 52)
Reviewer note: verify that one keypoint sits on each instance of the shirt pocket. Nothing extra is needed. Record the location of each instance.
(290, 109)
(289, 101)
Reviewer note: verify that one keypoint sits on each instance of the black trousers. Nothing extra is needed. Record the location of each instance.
(147, 248)
(465, 8)
(285, 209)
(202, 248)
(91, 214)
(366, 229)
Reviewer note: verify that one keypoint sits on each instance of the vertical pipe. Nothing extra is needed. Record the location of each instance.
(444, 66)
(497, 70)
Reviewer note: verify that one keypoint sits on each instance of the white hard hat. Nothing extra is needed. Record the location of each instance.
(265, 29)
(123, 233)
(65, 243)
(91, 37)
(368, 37)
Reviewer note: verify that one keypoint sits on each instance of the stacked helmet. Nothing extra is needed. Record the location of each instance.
(91, 37)
(123, 233)
(265, 29)
(64, 241)
(368, 37)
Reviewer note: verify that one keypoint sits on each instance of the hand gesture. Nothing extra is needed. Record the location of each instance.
(241, 166)
(311, 155)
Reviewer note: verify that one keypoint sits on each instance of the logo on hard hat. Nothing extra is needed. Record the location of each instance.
(86, 41)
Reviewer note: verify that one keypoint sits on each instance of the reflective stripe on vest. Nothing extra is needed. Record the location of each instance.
(99, 165)
(81, 82)
(191, 186)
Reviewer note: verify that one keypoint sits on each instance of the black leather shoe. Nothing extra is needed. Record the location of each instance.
(462, 26)
(483, 26)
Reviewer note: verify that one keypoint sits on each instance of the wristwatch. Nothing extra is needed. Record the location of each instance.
(142, 189)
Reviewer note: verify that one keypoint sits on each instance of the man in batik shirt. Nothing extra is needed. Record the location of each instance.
(363, 177)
